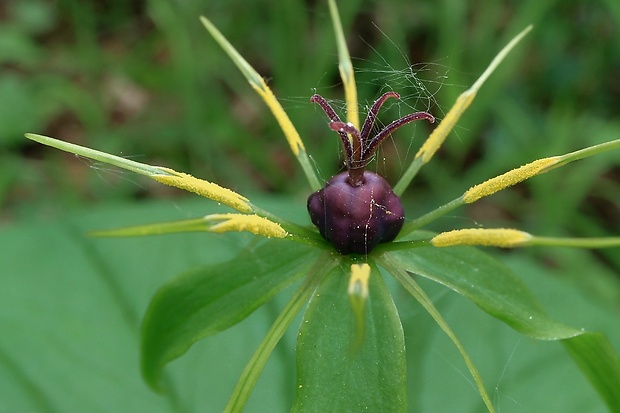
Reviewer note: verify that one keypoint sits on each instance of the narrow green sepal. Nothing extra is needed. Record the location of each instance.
(161, 228)
(137, 167)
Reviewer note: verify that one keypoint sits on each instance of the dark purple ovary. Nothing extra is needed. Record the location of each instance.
(356, 218)
(357, 209)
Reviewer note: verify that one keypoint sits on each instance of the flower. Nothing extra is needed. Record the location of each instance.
(359, 336)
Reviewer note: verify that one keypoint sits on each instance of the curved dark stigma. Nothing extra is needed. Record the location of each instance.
(372, 114)
(356, 161)
(374, 143)
(333, 116)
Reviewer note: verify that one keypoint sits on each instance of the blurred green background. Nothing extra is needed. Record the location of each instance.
(143, 79)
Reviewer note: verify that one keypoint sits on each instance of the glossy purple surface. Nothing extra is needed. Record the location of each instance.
(356, 218)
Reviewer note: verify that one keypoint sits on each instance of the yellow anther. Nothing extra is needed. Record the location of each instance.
(358, 283)
(204, 188)
(291, 134)
(240, 222)
(500, 237)
(440, 133)
(508, 179)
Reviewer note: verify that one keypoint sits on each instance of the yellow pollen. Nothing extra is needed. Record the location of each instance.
(204, 188)
(292, 136)
(358, 283)
(251, 223)
(508, 179)
(501, 237)
(440, 133)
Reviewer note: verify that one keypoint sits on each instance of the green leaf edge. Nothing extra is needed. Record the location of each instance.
(413, 288)
(591, 351)
(599, 362)
(154, 357)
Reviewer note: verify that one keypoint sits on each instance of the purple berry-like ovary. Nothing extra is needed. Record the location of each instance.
(356, 218)
(357, 209)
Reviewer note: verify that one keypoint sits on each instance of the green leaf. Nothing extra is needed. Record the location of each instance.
(498, 291)
(333, 374)
(598, 360)
(213, 298)
(490, 284)
(77, 293)
(70, 307)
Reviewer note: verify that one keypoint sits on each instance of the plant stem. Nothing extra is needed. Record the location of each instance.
(345, 67)
(418, 293)
(255, 366)
(431, 216)
(311, 176)
(575, 242)
(587, 152)
(408, 176)
(291, 227)
(402, 245)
